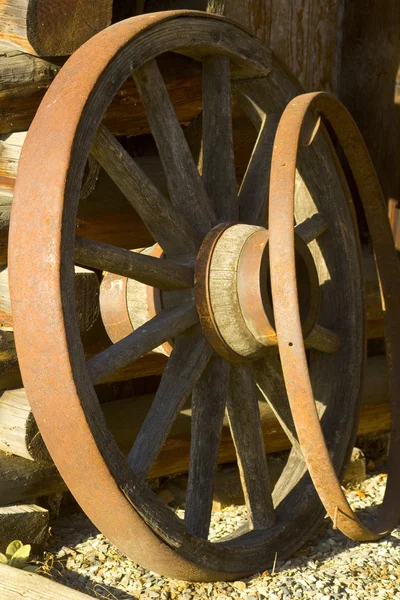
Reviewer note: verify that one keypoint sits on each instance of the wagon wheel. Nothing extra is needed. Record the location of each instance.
(288, 317)
(219, 361)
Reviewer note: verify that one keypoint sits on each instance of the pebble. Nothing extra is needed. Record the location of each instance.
(329, 567)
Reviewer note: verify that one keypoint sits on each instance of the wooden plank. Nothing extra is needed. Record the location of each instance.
(15, 583)
(305, 34)
(369, 71)
(25, 522)
(57, 28)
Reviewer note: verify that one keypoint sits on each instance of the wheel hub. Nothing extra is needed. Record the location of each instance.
(233, 292)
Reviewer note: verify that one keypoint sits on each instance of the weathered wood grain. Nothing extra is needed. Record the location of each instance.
(18, 431)
(218, 159)
(14, 584)
(162, 327)
(52, 29)
(269, 379)
(24, 80)
(25, 522)
(305, 34)
(312, 228)
(208, 407)
(323, 339)
(246, 430)
(368, 75)
(186, 364)
(167, 224)
(186, 189)
(253, 194)
(86, 295)
(104, 214)
(162, 273)
(24, 480)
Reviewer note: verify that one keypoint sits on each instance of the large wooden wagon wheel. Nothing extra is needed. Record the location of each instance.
(214, 240)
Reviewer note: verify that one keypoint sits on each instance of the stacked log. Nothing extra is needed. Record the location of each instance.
(24, 479)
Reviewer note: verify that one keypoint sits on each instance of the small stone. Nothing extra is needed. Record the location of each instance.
(239, 585)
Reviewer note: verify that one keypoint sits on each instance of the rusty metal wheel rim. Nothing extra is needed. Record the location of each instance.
(291, 346)
(138, 523)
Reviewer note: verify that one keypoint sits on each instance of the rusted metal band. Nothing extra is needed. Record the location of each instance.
(286, 308)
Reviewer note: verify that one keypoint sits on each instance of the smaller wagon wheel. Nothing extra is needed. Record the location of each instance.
(215, 245)
(292, 127)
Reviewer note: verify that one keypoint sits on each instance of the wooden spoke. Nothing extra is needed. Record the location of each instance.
(168, 225)
(323, 339)
(161, 273)
(312, 228)
(186, 188)
(270, 382)
(218, 160)
(208, 407)
(245, 424)
(186, 364)
(253, 194)
(158, 330)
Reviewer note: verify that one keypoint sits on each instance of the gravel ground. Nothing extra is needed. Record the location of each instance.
(329, 567)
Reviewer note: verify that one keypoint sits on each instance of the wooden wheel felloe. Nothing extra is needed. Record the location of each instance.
(220, 362)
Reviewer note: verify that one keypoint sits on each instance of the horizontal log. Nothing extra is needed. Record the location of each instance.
(10, 376)
(86, 296)
(16, 584)
(55, 28)
(89, 320)
(18, 430)
(25, 522)
(104, 213)
(24, 80)
(23, 480)
(124, 418)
